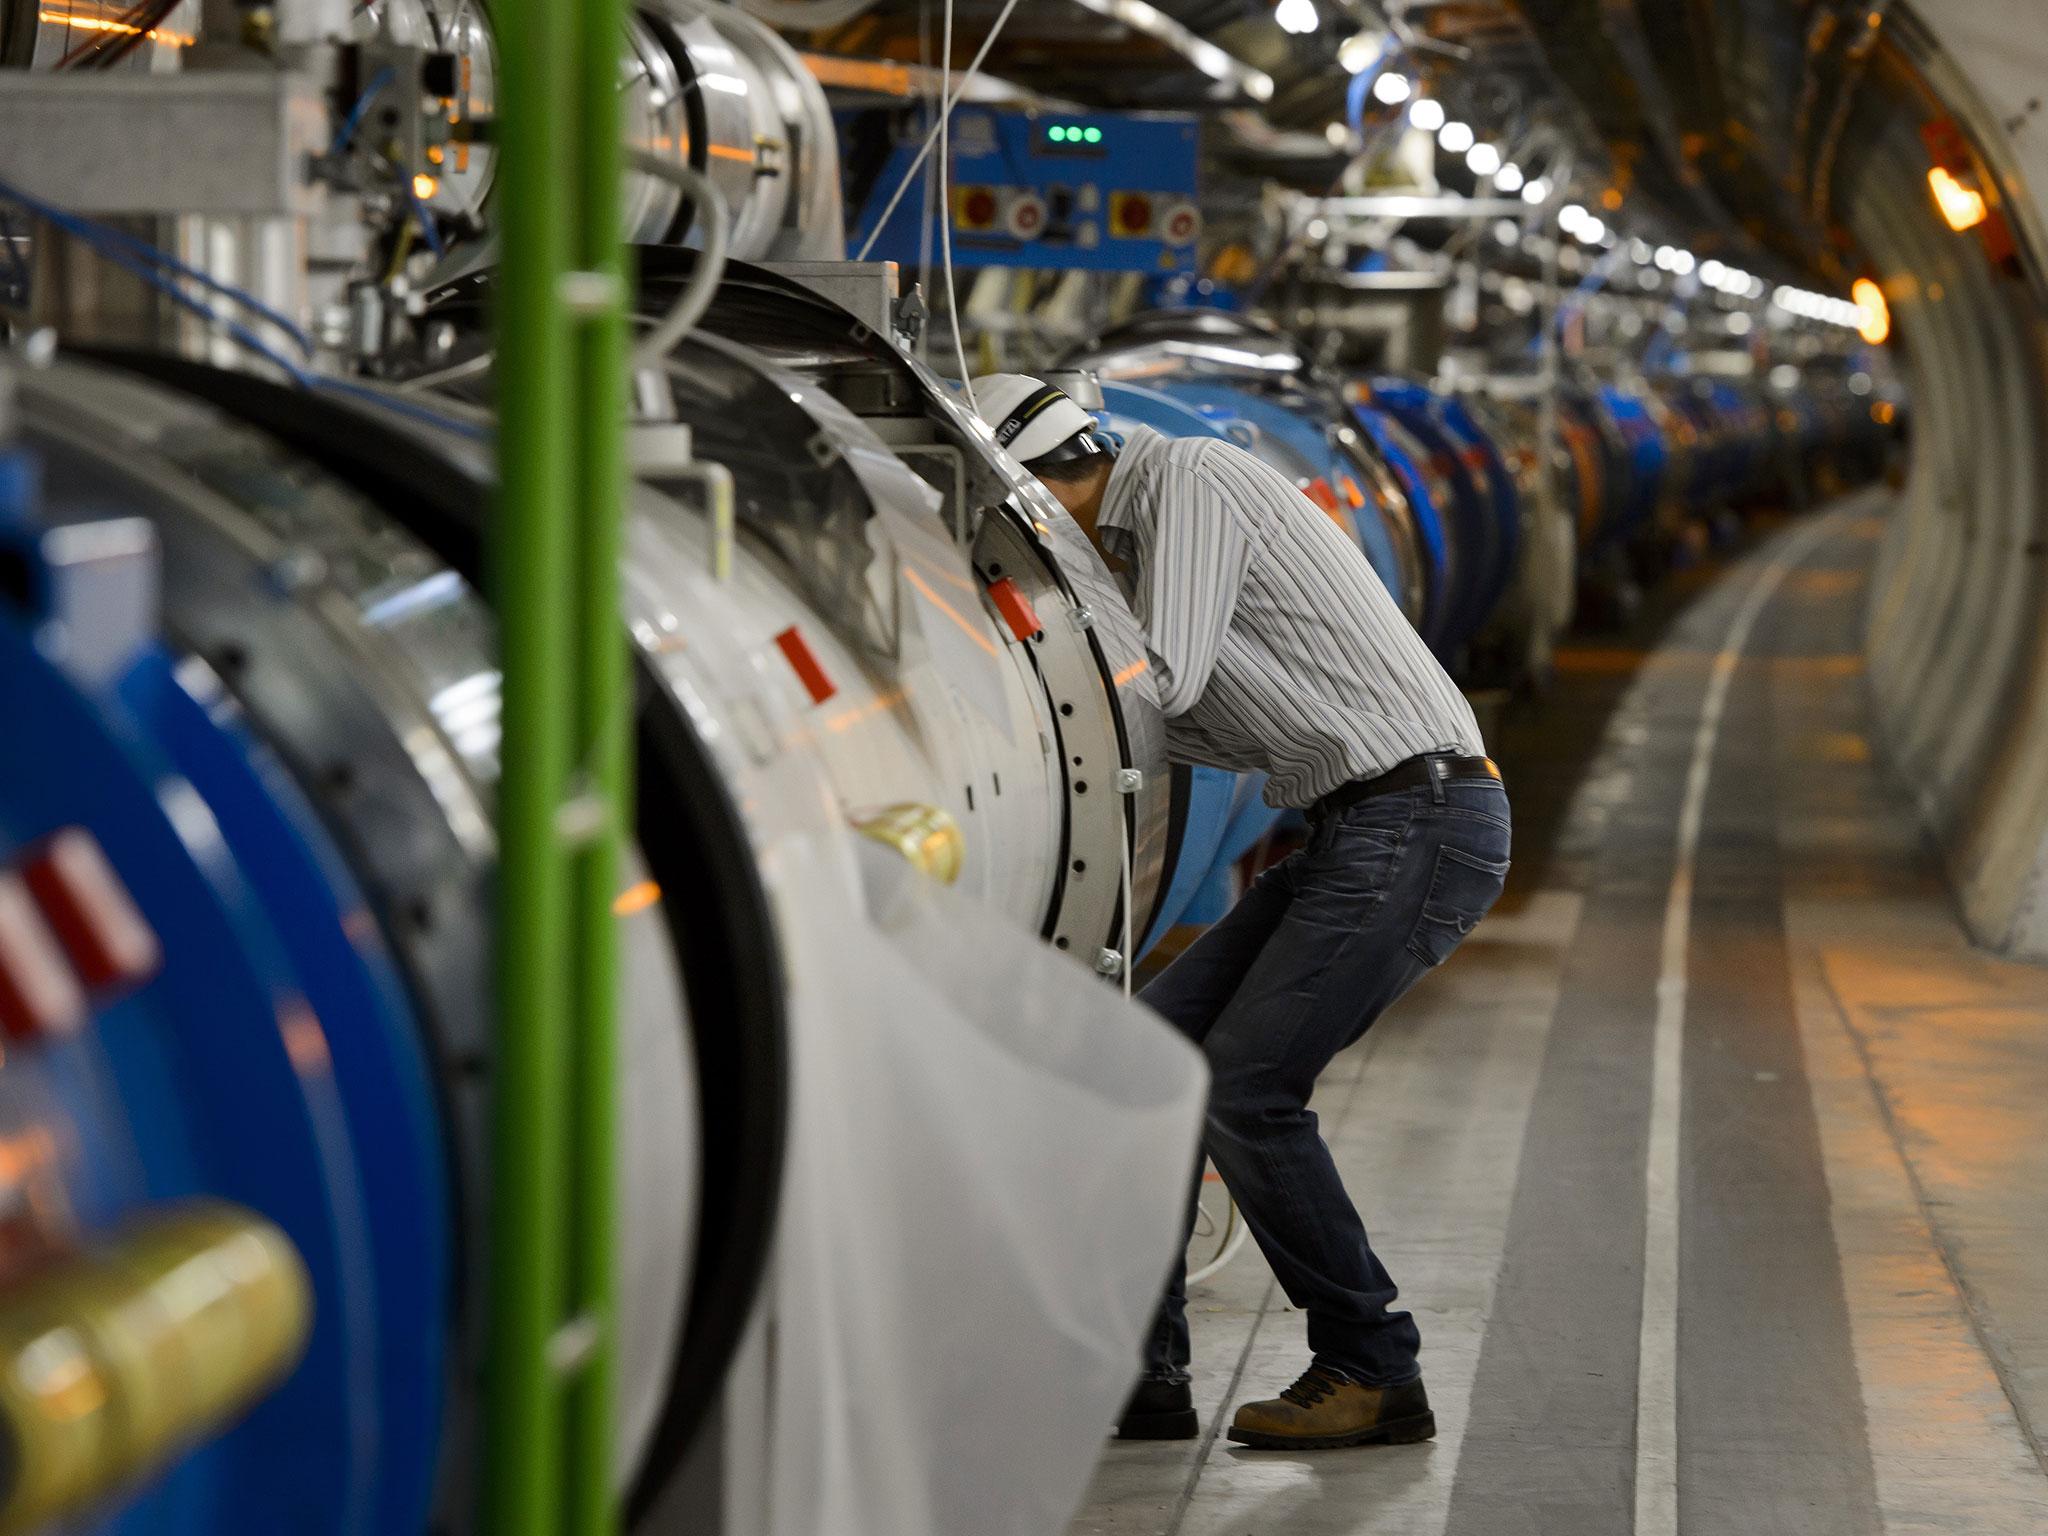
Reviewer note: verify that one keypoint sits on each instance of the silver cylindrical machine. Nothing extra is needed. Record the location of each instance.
(1025, 678)
(898, 640)
(369, 667)
(703, 85)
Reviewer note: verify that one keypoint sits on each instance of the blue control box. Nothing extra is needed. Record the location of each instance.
(1104, 191)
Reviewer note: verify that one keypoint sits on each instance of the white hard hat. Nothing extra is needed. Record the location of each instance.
(1036, 421)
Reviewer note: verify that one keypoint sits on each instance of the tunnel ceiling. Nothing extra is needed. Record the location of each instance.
(1719, 121)
(1728, 114)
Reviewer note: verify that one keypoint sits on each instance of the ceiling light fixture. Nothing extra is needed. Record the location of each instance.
(1358, 52)
(1456, 138)
(1297, 16)
(1427, 114)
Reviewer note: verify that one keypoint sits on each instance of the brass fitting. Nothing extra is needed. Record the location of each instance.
(924, 834)
(115, 1359)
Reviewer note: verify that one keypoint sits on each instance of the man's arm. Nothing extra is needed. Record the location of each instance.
(1196, 572)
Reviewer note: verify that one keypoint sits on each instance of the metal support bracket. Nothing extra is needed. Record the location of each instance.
(230, 143)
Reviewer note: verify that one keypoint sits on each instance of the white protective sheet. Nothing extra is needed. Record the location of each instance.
(987, 1173)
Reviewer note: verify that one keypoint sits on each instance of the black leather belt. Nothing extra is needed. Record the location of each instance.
(1416, 773)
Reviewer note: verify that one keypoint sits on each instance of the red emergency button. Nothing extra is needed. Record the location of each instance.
(975, 207)
(39, 994)
(803, 661)
(110, 943)
(1015, 608)
(1130, 214)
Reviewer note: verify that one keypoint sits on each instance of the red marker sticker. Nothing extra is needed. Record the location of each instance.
(1015, 608)
(803, 661)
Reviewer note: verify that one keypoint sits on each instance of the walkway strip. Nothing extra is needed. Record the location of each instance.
(1656, 1477)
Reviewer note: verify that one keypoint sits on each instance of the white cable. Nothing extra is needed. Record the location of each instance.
(697, 293)
(946, 224)
(1234, 1229)
(932, 138)
(1234, 1233)
(930, 197)
(1123, 848)
(481, 364)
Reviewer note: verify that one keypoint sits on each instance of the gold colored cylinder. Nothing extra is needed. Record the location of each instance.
(112, 1361)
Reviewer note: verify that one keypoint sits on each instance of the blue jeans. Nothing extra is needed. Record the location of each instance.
(1316, 951)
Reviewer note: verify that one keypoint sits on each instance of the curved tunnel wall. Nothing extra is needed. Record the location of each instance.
(1957, 631)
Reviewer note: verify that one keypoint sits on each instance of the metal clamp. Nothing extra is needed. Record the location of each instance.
(589, 294)
(573, 1346)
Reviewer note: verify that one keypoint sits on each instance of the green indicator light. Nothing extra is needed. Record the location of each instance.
(1057, 134)
(1092, 135)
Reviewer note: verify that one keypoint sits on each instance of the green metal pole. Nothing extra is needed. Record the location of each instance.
(531, 546)
(603, 733)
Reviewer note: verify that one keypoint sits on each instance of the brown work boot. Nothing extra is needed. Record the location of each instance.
(1325, 1409)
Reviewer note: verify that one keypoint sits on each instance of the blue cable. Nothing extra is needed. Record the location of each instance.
(1364, 81)
(150, 265)
(156, 279)
(423, 214)
(345, 135)
(108, 242)
(354, 120)
(303, 377)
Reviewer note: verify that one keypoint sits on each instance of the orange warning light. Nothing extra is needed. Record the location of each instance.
(636, 898)
(1876, 322)
(1962, 206)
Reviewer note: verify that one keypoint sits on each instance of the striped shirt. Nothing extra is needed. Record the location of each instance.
(1275, 645)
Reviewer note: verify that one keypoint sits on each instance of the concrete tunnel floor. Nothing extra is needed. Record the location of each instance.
(1845, 1329)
